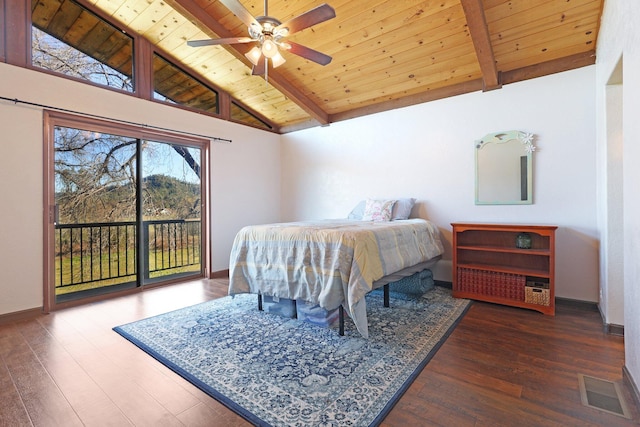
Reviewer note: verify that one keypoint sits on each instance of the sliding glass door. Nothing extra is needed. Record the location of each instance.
(126, 211)
(172, 211)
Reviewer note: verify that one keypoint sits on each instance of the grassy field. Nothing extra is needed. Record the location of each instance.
(103, 271)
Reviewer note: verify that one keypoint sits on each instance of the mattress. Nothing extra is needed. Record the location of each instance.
(330, 263)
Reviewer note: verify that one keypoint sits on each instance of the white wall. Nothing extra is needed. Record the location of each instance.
(619, 42)
(611, 201)
(427, 151)
(245, 174)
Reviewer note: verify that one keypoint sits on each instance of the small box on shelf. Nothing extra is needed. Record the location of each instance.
(536, 292)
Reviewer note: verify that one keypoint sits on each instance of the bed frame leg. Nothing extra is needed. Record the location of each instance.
(260, 302)
(341, 321)
(386, 295)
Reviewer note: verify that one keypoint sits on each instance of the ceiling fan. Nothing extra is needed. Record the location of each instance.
(270, 34)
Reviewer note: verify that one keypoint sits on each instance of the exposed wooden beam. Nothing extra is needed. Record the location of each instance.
(550, 67)
(298, 97)
(419, 98)
(307, 124)
(208, 23)
(546, 68)
(477, 24)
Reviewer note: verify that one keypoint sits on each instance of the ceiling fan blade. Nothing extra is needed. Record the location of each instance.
(241, 12)
(211, 42)
(258, 70)
(322, 13)
(308, 53)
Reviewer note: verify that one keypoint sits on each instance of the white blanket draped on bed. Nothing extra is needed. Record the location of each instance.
(330, 263)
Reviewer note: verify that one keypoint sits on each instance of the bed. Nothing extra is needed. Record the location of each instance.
(332, 263)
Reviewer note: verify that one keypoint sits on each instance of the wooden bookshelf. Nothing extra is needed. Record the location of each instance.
(488, 265)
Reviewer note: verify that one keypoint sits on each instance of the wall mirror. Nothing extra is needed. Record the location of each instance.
(504, 173)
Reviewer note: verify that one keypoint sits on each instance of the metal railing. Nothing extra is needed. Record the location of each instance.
(103, 254)
(171, 244)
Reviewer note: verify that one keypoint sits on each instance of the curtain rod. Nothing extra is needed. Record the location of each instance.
(95, 116)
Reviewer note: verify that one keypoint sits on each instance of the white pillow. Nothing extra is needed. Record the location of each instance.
(378, 210)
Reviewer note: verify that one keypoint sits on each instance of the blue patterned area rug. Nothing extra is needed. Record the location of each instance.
(276, 371)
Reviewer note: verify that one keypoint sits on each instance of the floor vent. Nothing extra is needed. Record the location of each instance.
(603, 395)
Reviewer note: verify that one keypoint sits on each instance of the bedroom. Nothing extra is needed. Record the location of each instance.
(426, 153)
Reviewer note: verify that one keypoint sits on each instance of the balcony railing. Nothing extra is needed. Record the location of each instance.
(94, 255)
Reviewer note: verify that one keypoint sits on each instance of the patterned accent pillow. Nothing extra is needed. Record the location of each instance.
(378, 210)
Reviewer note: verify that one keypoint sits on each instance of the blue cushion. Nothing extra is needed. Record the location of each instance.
(402, 209)
(416, 284)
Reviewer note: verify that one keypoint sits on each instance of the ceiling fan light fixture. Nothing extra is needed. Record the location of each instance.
(269, 48)
(284, 45)
(255, 31)
(280, 32)
(254, 55)
(277, 60)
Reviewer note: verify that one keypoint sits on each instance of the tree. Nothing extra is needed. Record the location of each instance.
(49, 53)
(93, 170)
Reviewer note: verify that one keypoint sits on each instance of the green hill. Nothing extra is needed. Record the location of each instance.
(164, 197)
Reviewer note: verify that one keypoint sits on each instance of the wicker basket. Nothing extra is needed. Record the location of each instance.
(536, 293)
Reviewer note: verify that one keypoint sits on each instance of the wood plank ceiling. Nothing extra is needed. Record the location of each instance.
(386, 54)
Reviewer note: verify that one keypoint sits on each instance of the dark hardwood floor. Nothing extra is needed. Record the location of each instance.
(500, 367)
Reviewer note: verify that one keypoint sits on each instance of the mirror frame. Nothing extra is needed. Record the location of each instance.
(502, 138)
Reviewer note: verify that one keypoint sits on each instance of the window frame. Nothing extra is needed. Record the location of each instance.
(2, 32)
(57, 118)
(134, 39)
(15, 18)
(267, 125)
(174, 63)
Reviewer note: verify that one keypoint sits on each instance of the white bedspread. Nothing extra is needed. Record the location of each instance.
(330, 263)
